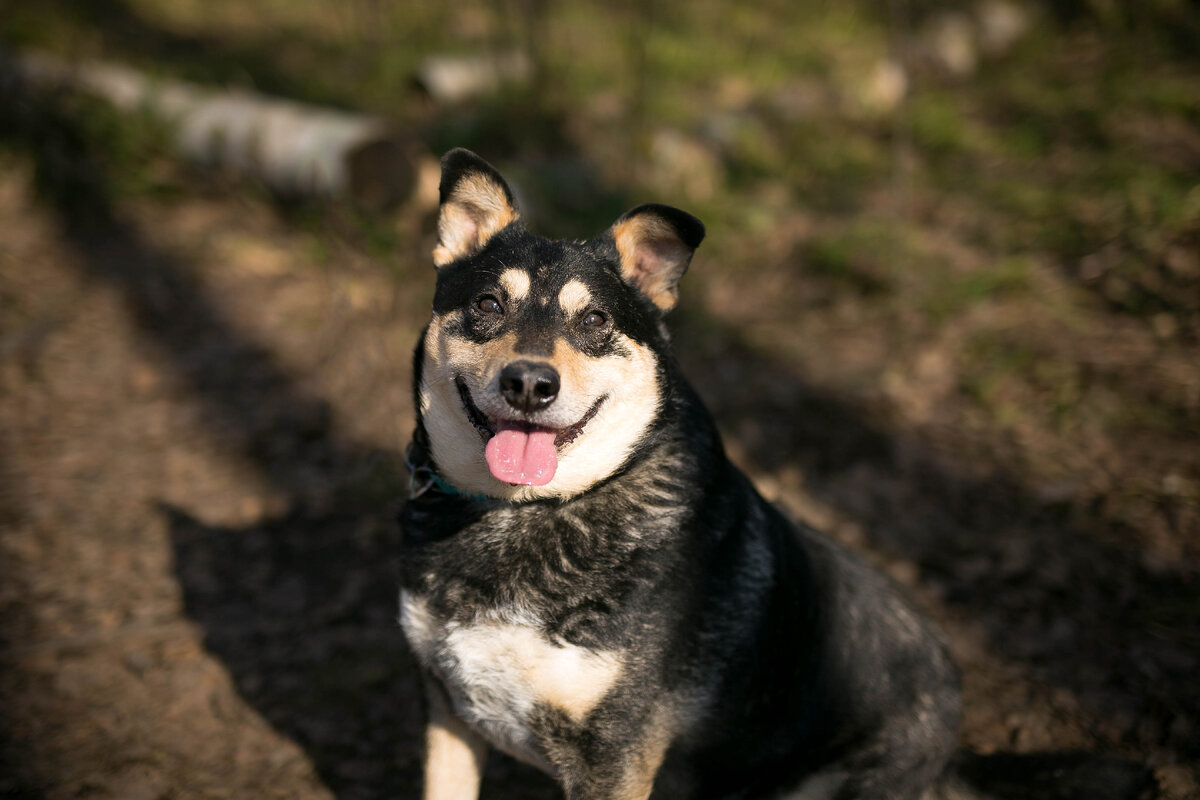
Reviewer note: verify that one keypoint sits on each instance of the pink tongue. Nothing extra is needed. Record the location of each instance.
(522, 456)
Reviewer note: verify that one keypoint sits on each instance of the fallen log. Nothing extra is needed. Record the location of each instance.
(293, 148)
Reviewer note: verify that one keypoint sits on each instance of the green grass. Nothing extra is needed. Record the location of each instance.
(954, 294)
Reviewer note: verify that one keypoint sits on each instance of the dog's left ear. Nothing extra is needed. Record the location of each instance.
(656, 243)
(476, 204)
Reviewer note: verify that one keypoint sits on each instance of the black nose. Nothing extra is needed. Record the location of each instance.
(528, 386)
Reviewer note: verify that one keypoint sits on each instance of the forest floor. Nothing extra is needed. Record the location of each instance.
(204, 399)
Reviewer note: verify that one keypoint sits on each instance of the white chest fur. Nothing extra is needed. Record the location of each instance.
(500, 668)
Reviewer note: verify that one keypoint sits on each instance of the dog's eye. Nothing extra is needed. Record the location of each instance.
(489, 305)
(594, 320)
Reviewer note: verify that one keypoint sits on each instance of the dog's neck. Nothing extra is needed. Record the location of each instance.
(422, 476)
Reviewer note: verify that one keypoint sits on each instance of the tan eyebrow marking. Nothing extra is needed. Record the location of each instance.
(574, 297)
(515, 283)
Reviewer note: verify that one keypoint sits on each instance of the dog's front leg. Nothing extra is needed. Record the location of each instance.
(454, 754)
(634, 781)
(617, 765)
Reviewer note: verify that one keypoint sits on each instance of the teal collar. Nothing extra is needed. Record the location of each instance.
(422, 478)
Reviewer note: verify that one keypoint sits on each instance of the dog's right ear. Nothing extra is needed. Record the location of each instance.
(476, 203)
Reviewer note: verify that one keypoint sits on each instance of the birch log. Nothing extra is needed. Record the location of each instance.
(453, 79)
(293, 148)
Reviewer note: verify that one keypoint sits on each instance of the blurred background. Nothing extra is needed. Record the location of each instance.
(948, 310)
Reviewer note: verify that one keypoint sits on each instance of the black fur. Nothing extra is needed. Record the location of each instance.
(768, 653)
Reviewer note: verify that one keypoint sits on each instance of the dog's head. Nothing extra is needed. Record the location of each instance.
(541, 371)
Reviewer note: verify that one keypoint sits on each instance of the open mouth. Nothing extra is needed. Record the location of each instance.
(521, 452)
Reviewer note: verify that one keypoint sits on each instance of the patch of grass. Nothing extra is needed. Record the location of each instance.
(831, 168)
(852, 260)
(88, 156)
(937, 125)
(1017, 382)
(955, 294)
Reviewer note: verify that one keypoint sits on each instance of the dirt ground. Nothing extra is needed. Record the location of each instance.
(201, 420)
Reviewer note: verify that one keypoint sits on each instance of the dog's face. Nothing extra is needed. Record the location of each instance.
(541, 368)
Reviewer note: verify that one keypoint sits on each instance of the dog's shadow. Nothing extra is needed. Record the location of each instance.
(302, 611)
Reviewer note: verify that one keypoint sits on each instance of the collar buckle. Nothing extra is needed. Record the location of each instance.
(421, 477)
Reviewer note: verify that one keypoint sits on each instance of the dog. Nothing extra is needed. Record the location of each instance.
(590, 586)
